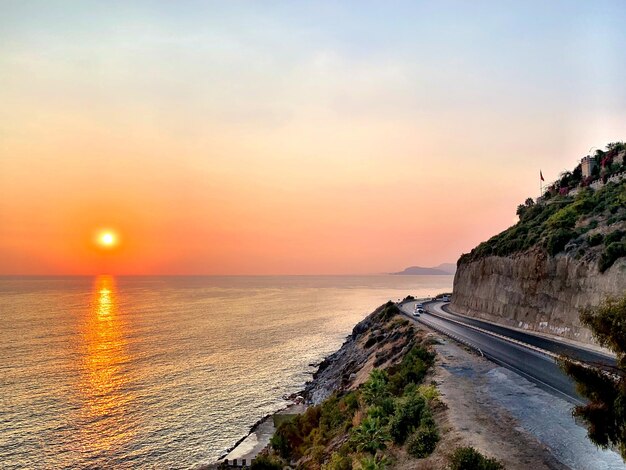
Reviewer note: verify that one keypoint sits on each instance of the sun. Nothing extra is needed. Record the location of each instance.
(107, 239)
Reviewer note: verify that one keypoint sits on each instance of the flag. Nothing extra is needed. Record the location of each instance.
(541, 175)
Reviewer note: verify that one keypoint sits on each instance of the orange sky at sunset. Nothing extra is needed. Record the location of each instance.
(294, 149)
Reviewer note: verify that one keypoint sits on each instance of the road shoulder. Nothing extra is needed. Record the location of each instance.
(508, 417)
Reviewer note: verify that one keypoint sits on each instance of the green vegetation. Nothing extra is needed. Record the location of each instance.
(373, 463)
(468, 458)
(611, 253)
(552, 225)
(605, 414)
(371, 435)
(423, 441)
(359, 427)
(407, 416)
(266, 462)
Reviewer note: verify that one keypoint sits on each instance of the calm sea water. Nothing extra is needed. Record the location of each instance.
(164, 372)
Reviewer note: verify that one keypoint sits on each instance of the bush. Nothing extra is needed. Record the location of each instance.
(595, 239)
(429, 392)
(407, 417)
(611, 254)
(605, 413)
(265, 462)
(422, 442)
(388, 311)
(373, 463)
(370, 436)
(614, 237)
(468, 458)
(412, 369)
(564, 218)
(338, 461)
(375, 388)
(558, 239)
(286, 438)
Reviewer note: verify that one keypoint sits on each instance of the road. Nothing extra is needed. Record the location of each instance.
(529, 363)
(548, 344)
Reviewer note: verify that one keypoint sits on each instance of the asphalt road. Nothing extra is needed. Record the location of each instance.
(557, 347)
(535, 366)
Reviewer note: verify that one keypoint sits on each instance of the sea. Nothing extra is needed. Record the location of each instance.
(165, 372)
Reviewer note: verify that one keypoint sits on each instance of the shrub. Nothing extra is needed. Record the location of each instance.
(338, 461)
(373, 463)
(605, 413)
(558, 239)
(564, 218)
(422, 442)
(429, 392)
(350, 401)
(286, 438)
(468, 458)
(388, 311)
(407, 417)
(611, 253)
(377, 412)
(336, 414)
(412, 369)
(375, 388)
(614, 236)
(371, 435)
(595, 239)
(265, 462)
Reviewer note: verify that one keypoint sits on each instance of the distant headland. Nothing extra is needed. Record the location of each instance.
(444, 269)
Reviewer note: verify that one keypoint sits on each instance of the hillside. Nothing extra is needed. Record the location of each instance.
(568, 251)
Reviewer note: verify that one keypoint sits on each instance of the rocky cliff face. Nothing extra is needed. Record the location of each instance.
(381, 339)
(535, 291)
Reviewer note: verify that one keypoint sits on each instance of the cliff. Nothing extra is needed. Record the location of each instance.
(567, 252)
(535, 291)
(380, 339)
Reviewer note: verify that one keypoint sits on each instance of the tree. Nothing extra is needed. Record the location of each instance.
(603, 386)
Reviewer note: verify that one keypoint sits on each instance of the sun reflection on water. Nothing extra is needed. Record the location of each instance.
(106, 399)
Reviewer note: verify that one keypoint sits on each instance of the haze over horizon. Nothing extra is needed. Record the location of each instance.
(249, 138)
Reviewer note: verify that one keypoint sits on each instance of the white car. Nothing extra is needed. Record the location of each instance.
(445, 298)
(418, 311)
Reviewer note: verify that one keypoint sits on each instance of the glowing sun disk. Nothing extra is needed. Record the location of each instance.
(107, 239)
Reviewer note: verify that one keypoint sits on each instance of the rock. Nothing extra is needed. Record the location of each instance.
(535, 291)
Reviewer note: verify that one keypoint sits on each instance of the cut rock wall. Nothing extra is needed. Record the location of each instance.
(535, 292)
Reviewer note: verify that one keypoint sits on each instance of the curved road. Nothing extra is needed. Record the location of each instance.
(535, 366)
(552, 345)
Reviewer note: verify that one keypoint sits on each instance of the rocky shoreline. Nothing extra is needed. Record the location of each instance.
(344, 369)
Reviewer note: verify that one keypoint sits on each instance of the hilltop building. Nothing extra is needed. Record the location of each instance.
(588, 164)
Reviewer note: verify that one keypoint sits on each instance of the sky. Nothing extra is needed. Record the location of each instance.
(291, 137)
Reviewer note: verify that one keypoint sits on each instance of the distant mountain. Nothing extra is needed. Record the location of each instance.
(444, 269)
(450, 268)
